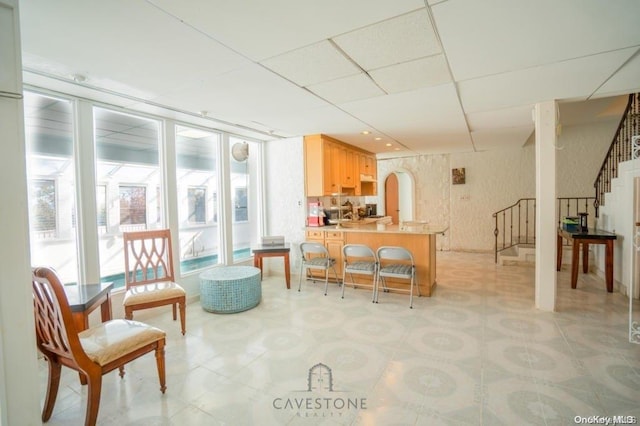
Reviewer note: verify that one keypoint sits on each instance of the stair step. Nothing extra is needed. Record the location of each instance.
(522, 254)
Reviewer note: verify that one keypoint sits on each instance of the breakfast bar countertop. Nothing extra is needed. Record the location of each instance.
(425, 229)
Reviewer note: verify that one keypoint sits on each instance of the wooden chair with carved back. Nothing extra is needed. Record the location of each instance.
(149, 274)
(92, 352)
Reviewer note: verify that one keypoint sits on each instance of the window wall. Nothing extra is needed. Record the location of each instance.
(49, 130)
(198, 186)
(214, 226)
(128, 183)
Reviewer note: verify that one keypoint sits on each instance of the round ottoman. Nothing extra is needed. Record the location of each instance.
(230, 289)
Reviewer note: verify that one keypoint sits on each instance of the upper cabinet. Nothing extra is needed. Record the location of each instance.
(332, 166)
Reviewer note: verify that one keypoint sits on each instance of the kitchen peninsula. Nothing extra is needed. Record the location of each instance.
(420, 240)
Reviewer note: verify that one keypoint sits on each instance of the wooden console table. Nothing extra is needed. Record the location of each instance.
(280, 250)
(592, 236)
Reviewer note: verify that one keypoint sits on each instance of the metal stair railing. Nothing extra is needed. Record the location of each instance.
(621, 148)
(516, 224)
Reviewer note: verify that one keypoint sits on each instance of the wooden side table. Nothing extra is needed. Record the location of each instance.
(281, 250)
(592, 236)
(84, 299)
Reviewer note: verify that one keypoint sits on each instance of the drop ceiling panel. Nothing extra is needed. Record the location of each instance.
(508, 137)
(325, 119)
(313, 64)
(138, 51)
(260, 30)
(574, 79)
(625, 80)
(418, 118)
(493, 36)
(347, 89)
(411, 75)
(246, 94)
(390, 42)
(501, 118)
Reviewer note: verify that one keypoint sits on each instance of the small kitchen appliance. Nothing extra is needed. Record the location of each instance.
(316, 214)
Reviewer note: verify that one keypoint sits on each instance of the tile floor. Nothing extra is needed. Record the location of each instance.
(477, 353)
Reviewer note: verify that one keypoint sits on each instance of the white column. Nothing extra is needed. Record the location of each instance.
(19, 382)
(546, 225)
(85, 166)
(171, 202)
(225, 220)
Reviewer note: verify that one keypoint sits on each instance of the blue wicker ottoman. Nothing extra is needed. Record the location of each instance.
(230, 289)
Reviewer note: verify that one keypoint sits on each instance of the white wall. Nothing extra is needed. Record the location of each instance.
(19, 390)
(284, 197)
(496, 179)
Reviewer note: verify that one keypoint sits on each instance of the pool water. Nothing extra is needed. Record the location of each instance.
(186, 266)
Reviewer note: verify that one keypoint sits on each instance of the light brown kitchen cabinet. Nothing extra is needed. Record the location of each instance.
(347, 163)
(332, 166)
(333, 241)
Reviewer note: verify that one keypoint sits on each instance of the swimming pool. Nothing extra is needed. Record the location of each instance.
(186, 266)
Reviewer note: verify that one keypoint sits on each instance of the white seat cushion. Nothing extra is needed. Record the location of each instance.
(152, 292)
(111, 339)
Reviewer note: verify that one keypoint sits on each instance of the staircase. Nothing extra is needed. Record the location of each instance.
(624, 147)
(514, 229)
(515, 226)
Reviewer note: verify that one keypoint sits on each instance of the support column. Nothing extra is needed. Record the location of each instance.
(546, 226)
(19, 381)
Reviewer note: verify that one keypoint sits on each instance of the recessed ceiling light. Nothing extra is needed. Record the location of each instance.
(365, 132)
(378, 138)
(388, 144)
(397, 149)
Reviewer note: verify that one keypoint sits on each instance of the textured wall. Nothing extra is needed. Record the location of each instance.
(432, 188)
(581, 151)
(496, 179)
(284, 195)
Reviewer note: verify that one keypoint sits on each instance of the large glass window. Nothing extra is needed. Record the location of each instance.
(129, 191)
(197, 205)
(128, 180)
(43, 207)
(240, 186)
(198, 186)
(133, 207)
(101, 201)
(51, 185)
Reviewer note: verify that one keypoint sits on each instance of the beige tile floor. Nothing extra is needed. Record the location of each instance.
(476, 353)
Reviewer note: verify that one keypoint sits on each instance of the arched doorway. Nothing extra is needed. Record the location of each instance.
(391, 199)
(398, 199)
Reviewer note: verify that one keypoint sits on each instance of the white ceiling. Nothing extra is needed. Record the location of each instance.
(426, 76)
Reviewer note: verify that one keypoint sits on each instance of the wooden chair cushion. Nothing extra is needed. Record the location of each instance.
(111, 339)
(152, 292)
